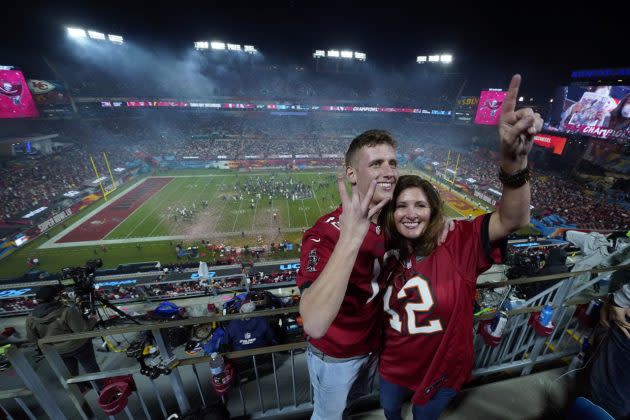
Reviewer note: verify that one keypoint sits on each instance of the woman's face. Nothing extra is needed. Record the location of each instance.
(625, 111)
(412, 213)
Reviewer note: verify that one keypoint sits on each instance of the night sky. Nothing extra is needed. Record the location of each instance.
(489, 41)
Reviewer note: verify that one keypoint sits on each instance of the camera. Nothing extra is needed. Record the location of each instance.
(82, 277)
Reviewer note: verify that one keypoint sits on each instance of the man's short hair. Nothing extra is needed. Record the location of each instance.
(368, 138)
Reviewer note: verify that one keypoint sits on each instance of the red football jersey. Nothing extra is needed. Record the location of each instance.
(429, 311)
(357, 328)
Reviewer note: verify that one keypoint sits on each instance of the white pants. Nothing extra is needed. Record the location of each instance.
(336, 384)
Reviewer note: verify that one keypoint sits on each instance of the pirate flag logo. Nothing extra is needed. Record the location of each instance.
(313, 259)
(12, 91)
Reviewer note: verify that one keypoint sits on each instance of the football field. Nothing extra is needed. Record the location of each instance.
(146, 220)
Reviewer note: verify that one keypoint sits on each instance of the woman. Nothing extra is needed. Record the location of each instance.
(429, 299)
(619, 118)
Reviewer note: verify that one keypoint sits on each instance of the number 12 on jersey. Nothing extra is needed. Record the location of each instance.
(423, 302)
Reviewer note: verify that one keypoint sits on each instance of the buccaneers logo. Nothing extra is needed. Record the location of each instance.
(12, 91)
(313, 259)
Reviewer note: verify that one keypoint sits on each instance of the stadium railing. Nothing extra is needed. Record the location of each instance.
(287, 391)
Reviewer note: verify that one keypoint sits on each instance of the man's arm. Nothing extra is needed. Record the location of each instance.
(76, 322)
(321, 301)
(516, 130)
(31, 332)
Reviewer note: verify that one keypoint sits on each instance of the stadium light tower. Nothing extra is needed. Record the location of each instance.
(202, 45)
(333, 53)
(250, 49)
(96, 35)
(76, 33)
(116, 39)
(319, 54)
(435, 58)
(216, 45)
(360, 56)
(346, 54)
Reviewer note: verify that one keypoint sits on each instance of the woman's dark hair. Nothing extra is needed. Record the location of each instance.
(427, 242)
(617, 121)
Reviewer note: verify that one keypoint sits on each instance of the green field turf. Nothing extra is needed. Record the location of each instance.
(227, 216)
(223, 222)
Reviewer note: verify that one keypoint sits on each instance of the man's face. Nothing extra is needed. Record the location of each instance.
(374, 163)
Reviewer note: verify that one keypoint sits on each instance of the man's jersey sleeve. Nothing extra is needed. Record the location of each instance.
(317, 246)
(471, 248)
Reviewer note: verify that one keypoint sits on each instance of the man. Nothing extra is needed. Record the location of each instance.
(610, 380)
(51, 317)
(339, 278)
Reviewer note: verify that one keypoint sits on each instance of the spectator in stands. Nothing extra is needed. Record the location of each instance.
(428, 349)
(610, 378)
(249, 333)
(50, 318)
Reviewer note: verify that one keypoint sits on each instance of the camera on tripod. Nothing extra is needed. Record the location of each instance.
(83, 282)
(82, 277)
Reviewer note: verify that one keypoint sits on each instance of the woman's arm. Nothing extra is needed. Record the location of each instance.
(516, 130)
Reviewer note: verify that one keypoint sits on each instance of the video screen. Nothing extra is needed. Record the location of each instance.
(490, 105)
(15, 98)
(555, 143)
(595, 111)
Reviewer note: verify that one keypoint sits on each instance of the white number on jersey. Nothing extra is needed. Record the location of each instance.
(411, 308)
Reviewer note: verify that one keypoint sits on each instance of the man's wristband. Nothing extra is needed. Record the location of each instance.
(515, 180)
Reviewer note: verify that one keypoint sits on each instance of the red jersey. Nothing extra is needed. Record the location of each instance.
(357, 328)
(429, 311)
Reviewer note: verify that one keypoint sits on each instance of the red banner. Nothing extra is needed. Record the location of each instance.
(551, 142)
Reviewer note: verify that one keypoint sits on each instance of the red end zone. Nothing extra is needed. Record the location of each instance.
(103, 222)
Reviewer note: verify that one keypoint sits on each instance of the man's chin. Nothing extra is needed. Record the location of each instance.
(383, 195)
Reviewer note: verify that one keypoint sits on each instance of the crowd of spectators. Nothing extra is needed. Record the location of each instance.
(40, 180)
(556, 193)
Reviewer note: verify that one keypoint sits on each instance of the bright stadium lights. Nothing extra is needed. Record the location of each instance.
(346, 54)
(446, 58)
(76, 33)
(434, 58)
(96, 35)
(333, 53)
(215, 45)
(249, 49)
(202, 45)
(116, 39)
(233, 47)
(421, 59)
(319, 54)
(521, 99)
(551, 100)
(360, 56)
